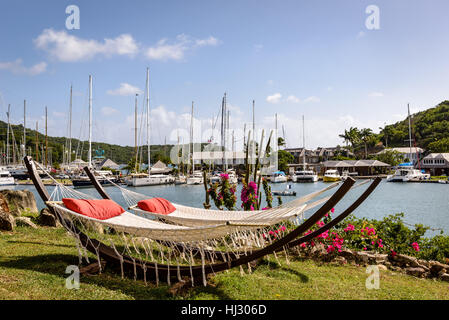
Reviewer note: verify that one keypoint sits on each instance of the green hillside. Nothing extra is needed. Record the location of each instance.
(117, 153)
(430, 129)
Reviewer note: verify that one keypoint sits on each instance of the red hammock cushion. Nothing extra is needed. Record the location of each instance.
(98, 209)
(156, 205)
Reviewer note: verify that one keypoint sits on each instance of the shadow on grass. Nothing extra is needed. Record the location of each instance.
(56, 264)
(275, 266)
(40, 243)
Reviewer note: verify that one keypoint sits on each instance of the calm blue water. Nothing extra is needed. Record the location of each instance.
(426, 203)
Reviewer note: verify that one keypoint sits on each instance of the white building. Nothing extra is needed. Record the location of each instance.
(413, 154)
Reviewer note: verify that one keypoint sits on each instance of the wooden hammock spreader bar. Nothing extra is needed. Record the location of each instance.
(129, 264)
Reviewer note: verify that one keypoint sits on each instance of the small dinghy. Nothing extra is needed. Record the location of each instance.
(286, 192)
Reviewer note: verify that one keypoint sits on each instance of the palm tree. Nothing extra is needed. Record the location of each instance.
(365, 135)
(346, 137)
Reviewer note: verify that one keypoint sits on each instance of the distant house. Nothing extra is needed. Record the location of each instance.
(436, 163)
(412, 154)
(108, 163)
(362, 167)
(160, 167)
(314, 158)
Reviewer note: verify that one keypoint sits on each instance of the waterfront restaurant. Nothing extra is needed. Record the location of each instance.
(361, 167)
(437, 164)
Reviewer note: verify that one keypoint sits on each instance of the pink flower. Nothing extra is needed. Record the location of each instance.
(350, 227)
(415, 246)
(333, 210)
(393, 253)
(266, 208)
(330, 249)
(224, 176)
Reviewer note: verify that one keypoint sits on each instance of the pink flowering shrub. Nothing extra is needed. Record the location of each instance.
(249, 196)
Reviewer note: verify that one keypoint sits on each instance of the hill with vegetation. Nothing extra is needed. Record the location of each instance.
(430, 131)
(56, 145)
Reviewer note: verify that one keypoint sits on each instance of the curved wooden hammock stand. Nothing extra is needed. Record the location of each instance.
(163, 271)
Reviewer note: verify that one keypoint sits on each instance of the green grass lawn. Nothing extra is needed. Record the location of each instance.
(33, 264)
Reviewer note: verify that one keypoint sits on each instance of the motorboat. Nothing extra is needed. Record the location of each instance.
(104, 177)
(407, 173)
(287, 192)
(331, 175)
(278, 177)
(195, 178)
(145, 179)
(304, 176)
(5, 178)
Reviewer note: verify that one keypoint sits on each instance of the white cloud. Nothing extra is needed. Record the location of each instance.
(125, 89)
(68, 48)
(376, 94)
(164, 50)
(108, 111)
(17, 67)
(312, 99)
(293, 99)
(275, 98)
(211, 41)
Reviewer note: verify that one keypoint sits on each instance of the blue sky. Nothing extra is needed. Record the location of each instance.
(315, 58)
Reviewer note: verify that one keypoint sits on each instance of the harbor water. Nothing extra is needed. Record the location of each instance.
(421, 203)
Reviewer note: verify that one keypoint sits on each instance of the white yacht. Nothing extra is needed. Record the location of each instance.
(305, 176)
(5, 178)
(407, 173)
(278, 177)
(231, 174)
(195, 178)
(145, 179)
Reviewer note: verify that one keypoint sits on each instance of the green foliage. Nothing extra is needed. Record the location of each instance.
(430, 129)
(391, 157)
(284, 158)
(396, 236)
(118, 154)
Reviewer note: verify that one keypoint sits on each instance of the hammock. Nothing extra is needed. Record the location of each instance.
(137, 255)
(192, 216)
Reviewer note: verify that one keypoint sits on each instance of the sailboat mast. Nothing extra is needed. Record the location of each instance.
(46, 139)
(7, 135)
(135, 132)
(37, 141)
(69, 159)
(148, 119)
(24, 127)
(409, 129)
(303, 144)
(89, 155)
(191, 141)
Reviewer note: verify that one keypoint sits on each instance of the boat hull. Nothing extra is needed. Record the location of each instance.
(150, 181)
(331, 179)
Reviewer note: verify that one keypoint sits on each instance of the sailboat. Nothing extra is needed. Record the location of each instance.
(406, 171)
(148, 179)
(304, 175)
(105, 177)
(196, 177)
